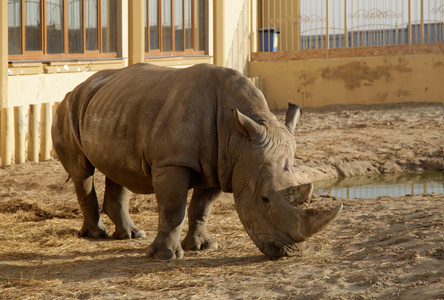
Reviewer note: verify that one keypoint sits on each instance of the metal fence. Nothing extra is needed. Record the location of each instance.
(325, 24)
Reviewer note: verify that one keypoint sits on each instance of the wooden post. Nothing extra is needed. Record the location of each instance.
(19, 126)
(219, 32)
(253, 28)
(34, 121)
(136, 31)
(45, 136)
(7, 136)
(56, 105)
(4, 54)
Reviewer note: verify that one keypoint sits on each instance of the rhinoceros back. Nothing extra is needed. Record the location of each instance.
(131, 120)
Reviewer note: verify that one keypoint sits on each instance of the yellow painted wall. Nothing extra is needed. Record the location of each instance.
(34, 89)
(362, 80)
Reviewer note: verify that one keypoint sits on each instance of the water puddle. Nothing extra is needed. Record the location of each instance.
(377, 185)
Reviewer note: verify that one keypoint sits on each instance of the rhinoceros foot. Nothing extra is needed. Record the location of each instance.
(199, 242)
(165, 249)
(133, 233)
(93, 231)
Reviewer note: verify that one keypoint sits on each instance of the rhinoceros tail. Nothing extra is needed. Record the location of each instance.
(67, 179)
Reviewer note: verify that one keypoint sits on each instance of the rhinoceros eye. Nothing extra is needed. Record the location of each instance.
(265, 199)
(287, 166)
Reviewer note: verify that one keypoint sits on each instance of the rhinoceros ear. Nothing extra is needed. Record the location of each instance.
(247, 127)
(293, 116)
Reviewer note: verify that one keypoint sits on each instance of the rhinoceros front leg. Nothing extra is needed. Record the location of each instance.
(171, 186)
(86, 195)
(199, 211)
(116, 206)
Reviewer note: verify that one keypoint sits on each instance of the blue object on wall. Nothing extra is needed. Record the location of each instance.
(268, 38)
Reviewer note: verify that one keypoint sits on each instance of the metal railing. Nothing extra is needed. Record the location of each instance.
(326, 24)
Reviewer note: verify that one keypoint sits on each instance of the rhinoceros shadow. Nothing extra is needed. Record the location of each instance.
(102, 264)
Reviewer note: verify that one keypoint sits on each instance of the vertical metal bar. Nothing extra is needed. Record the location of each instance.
(345, 25)
(369, 33)
(267, 21)
(270, 41)
(84, 24)
(43, 18)
(23, 27)
(357, 27)
(421, 33)
(148, 33)
(287, 37)
(262, 25)
(381, 34)
(184, 26)
(327, 42)
(173, 35)
(292, 25)
(351, 32)
(65, 27)
(410, 26)
(193, 25)
(99, 27)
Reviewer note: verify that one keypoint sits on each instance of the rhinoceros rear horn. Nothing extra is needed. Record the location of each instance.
(292, 117)
(298, 195)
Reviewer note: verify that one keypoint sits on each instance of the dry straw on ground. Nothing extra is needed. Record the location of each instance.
(389, 248)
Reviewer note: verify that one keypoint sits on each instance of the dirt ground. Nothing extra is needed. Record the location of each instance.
(384, 248)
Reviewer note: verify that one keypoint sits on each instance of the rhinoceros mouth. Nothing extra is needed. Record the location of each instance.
(274, 250)
(281, 246)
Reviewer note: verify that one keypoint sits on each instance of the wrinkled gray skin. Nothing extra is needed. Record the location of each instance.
(160, 130)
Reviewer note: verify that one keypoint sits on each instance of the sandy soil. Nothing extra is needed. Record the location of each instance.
(385, 248)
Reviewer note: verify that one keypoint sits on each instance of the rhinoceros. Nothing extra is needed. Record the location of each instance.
(161, 130)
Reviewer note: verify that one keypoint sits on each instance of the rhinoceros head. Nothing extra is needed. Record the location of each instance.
(267, 200)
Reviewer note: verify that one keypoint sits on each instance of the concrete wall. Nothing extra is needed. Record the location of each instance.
(237, 34)
(40, 88)
(359, 80)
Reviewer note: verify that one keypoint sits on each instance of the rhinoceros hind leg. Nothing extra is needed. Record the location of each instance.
(171, 186)
(199, 211)
(116, 206)
(92, 222)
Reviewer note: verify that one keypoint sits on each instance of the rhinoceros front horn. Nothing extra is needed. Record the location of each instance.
(312, 221)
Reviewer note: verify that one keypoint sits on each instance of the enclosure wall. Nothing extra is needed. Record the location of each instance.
(357, 80)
